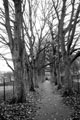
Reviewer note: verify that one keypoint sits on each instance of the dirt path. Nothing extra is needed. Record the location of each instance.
(51, 105)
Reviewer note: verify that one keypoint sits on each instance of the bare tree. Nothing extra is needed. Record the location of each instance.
(67, 33)
(35, 33)
(23, 40)
(17, 48)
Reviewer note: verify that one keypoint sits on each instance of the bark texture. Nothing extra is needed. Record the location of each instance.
(18, 51)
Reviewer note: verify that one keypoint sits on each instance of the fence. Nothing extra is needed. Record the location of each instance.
(75, 79)
(76, 82)
(6, 89)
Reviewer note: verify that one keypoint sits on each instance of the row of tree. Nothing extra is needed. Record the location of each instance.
(40, 33)
(66, 37)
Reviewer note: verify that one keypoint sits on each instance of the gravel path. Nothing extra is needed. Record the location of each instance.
(51, 106)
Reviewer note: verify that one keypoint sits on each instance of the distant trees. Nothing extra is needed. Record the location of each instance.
(34, 27)
(63, 23)
(67, 34)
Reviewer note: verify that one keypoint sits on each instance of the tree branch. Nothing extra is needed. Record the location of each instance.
(7, 62)
(75, 57)
(73, 29)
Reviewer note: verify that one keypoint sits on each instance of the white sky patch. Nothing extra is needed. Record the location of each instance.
(4, 49)
(3, 66)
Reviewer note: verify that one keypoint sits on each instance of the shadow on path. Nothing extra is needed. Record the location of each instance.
(51, 104)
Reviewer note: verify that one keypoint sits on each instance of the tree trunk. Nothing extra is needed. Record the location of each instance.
(68, 80)
(18, 51)
(59, 83)
(36, 78)
(31, 78)
(19, 54)
(53, 73)
(42, 74)
(20, 80)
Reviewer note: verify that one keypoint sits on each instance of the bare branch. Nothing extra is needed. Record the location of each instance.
(73, 29)
(55, 8)
(8, 27)
(7, 62)
(72, 49)
(75, 57)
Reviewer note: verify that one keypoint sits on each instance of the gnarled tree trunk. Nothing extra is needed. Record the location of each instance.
(18, 51)
(19, 54)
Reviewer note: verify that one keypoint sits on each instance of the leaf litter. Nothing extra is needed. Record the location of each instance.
(74, 102)
(20, 111)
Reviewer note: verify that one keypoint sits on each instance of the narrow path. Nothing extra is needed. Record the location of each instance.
(51, 105)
